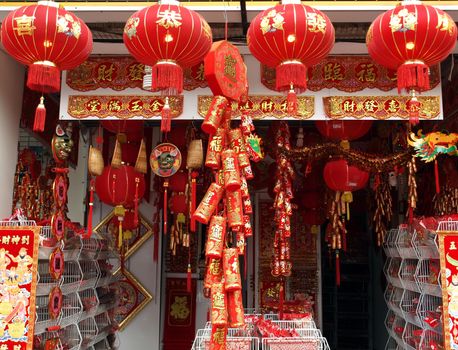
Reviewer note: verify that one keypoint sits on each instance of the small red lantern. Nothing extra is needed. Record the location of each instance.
(48, 39)
(177, 182)
(290, 37)
(129, 221)
(340, 176)
(178, 203)
(409, 39)
(120, 186)
(343, 130)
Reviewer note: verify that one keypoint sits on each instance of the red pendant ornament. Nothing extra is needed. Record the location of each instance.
(48, 39)
(290, 37)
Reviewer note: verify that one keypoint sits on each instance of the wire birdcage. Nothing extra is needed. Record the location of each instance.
(71, 309)
(105, 274)
(407, 274)
(431, 340)
(404, 243)
(389, 321)
(89, 331)
(393, 272)
(48, 243)
(72, 248)
(39, 341)
(391, 344)
(70, 337)
(390, 247)
(104, 325)
(427, 276)
(412, 336)
(90, 248)
(45, 281)
(448, 225)
(90, 302)
(91, 273)
(72, 277)
(399, 325)
(409, 305)
(395, 301)
(429, 312)
(43, 320)
(234, 341)
(388, 293)
(425, 242)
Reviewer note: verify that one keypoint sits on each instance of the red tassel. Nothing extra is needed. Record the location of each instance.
(337, 269)
(189, 279)
(156, 242)
(291, 73)
(292, 102)
(91, 207)
(194, 176)
(436, 175)
(280, 302)
(166, 185)
(137, 180)
(165, 114)
(43, 77)
(40, 116)
(167, 76)
(413, 106)
(413, 76)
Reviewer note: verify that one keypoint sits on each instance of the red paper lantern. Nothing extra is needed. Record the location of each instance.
(343, 130)
(120, 186)
(291, 38)
(410, 38)
(128, 222)
(178, 203)
(340, 176)
(177, 182)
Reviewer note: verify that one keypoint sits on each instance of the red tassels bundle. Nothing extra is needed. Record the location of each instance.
(413, 75)
(166, 115)
(40, 116)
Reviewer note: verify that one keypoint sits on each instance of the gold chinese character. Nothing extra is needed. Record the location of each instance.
(267, 106)
(156, 106)
(316, 23)
(6, 239)
(200, 73)
(114, 105)
(136, 72)
(366, 73)
(229, 163)
(24, 25)
(215, 267)
(230, 68)
(333, 71)
(370, 106)
(16, 347)
(216, 144)
(444, 23)
(93, 105)
(25, 240)
(135, 105)
(105, 72)
(272, 22)
(3, 347)
(219, 336)
(452, 245)
(349, 106)
(15, 239)
(169, 19)
(218, 301)
(217, 232)
(392, 106)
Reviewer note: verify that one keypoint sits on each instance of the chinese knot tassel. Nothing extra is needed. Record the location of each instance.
(347, 198)
(91, 207)
(43, 77)
(291, 101)
(436, 175)
(166, 185)
(194, 176)
(337, 269)
(166, 116)
(413, 75)
(119, 211)
(413, 106)
(40, 116)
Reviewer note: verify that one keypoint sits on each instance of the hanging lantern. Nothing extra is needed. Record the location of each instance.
(409, 39)
(168, 37)
(128, 221)
(343, 130)
(48, 39)
(290, 37)
(340, 176)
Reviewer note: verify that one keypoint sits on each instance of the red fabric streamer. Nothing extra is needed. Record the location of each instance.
(337, 269)
(91, 207)
(436, 175)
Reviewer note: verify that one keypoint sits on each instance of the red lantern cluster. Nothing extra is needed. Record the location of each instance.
(343, 177)
(48, 39)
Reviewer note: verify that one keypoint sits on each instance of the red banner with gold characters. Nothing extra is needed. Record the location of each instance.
(119, 73)
(378, 107)
(261, 107)
(18, 282)
(121, 107)
(347, 73)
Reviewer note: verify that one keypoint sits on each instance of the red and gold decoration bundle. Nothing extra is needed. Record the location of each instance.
(290, 37)
(48, 39)
(226, 206)
(176, 38)
(411, 38)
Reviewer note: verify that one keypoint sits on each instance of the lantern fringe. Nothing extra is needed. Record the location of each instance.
(413, 76)
(291, 73)
(43, 78)
(40, 116)
(167, 76)
(166, 117)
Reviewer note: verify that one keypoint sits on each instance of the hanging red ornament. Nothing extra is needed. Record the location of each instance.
(178, 181)
(343, 130)
(340, 176)
(178, 203)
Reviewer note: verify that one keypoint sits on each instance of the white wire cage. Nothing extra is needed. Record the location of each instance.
(391, 344)
(45, 281)
(395, 301)
(389, 246)
(91, 273)
(399, 325)
(105, 273)
(448, 225)
(71, 309)
(39, 341)
(72, 277)
(404, 242)
(430, 313)
(72, 248)
(70, 337)
(431, 340)
(425, 242)
(393, 272)
(235, 340)
(89, 331)
(412, 336)
(407, 274)
(294, 324)
(43, 319)
(90, 302)
(389, 321)
(388, 293)
(104, 326)
(409, 307)
(427, 277)
(90, 248)
(107, 250)
(48, 243)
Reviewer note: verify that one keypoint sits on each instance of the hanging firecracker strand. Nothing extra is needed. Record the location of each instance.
(446, 202)
(384, 209)
(412, 184)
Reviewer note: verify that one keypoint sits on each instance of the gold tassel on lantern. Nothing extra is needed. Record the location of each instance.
(120, 212)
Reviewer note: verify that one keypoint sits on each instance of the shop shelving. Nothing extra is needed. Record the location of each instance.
(389, 321)
(404, 243)
(425, 242)
(43, 319)
(45, 281)
(90, 302)
(71, 309)
(390, 247)
(70, 337)
(301, 343)
(391, 344)
(395, 301)
(399, 325)
(47, 243)
(72, 248)
(427, 276)
(89, 331)
(393, 271)
(431, 340)
(428, 312)
(91, 273)
(409, 305)
(412, 336)
(407, 274)
(72, 277)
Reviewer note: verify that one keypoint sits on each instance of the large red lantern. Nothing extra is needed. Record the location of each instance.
(410, 38)
(120, 186)
(340, 176)
(343, 130)
(48, 39)
(290, 37)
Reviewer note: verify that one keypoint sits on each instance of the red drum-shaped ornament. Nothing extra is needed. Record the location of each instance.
(214, 149)
(234, 208)
(290, 38)
(215, 114)
(218, 305)
(343, 130)
(214, 272)
(231, 268)
(231, 170)
(120, 186)
(237, 143)
(168, 37)
(225, 71)
(410, 38)
(235, 309)
(209, 203)
(216, 237)
(340, 176)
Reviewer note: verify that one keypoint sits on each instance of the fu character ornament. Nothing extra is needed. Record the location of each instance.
(165, 161)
